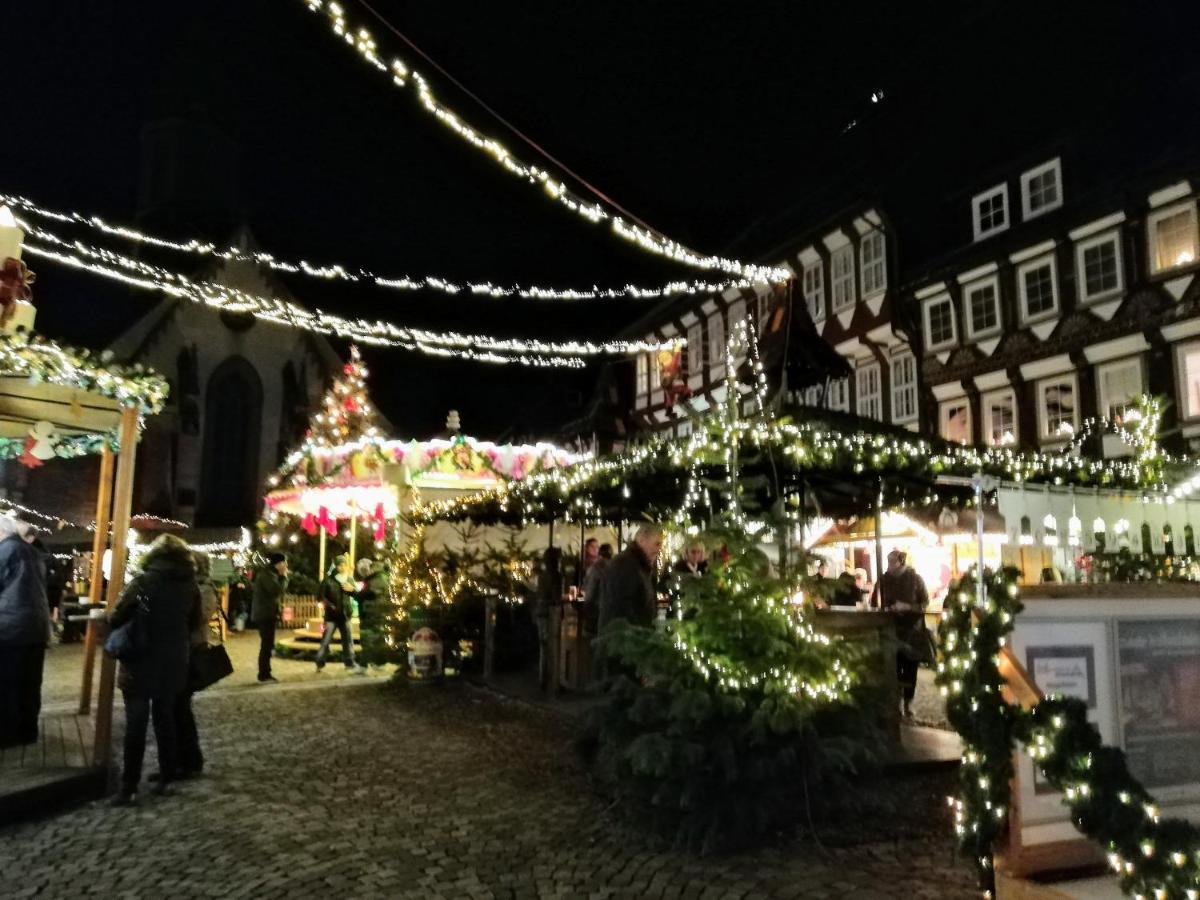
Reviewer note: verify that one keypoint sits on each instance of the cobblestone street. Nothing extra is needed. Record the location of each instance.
(366, 789)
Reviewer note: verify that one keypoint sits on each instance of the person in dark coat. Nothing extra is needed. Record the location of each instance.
(166, 596)
(335, 594)
(269, 587)
(901, 590)
(24, 634)
(187, 736)
(694, 560)
(627, 586)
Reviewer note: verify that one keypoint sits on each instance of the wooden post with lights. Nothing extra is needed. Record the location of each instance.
(122, 512)
(96, 576)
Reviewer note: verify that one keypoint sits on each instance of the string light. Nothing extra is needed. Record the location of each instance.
(400, 74)
(359, 274)
(482, 348)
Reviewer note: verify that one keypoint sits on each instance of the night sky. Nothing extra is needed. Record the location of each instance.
(702, 118)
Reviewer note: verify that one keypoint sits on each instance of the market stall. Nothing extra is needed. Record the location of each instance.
(57, 402)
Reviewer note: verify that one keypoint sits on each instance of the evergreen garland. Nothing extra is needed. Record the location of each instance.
(1154, 858)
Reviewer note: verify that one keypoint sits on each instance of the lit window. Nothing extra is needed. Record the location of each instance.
(1058, 408)
(874, 263)
(1000, 418)
(1189, 379)
(716, 340)
(990, 211)
(870, 395)
(983, 309)
(1039, 291)
(1173, 240)
(956, 421)
(904, 388)
(939, 322)
(1041, 189)
(842, 264)
(1120, 387)
(814, 290)
(643, 375)
(1098, 263)
(839, 395)
(695, 349)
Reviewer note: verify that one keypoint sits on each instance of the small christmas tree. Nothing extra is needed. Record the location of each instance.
(346, 413)
(725, 724)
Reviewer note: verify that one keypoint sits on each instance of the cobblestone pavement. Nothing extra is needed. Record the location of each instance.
(379, 790)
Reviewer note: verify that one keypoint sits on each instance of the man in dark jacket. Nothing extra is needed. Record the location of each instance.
(167, 599)
(336, 592)
(901, 590)
(627, 586)
(269, 586)
(24, 633)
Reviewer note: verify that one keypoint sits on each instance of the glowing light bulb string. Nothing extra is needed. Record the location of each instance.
(359, 274)
(400, 74)
(527, 351)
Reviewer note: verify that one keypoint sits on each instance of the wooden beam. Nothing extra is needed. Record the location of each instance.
(122, 513)
(96, 579)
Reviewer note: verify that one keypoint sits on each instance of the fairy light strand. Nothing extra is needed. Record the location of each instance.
(483, 348)
(401, 74)
(359, 274)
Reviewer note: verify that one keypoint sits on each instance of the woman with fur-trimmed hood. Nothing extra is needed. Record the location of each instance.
(166, 595)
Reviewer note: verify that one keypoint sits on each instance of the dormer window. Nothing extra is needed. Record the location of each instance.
(990, 211)
(1173, 240)
(842, 264)
(1041, 189)
(874, 263)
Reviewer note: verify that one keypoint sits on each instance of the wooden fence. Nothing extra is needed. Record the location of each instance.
(297, 609)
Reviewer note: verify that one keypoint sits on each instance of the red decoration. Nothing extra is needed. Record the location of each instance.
(27, 458)
(326, 521)
(380, 523)
(671, 375)
(309, 524)
(15, 279)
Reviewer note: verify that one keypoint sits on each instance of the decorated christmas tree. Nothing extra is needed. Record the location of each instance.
(346, 415)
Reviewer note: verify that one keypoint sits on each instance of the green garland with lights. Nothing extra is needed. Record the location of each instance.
(1154, 858)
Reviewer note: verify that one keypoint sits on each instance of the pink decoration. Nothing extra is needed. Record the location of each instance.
(309, 524)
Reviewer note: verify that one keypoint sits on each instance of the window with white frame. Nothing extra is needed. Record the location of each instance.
(838, 395)
(1041, 189)
(939, 323)
(716, 339)
(642, 379)
(814, 290)
(955, 420)
(1038, 286)
(982, 300)
(870, 392)
(1057, 407)
(874, 263)
(1188, 361)
(1173, 240)
(695, 349)
(989, 211)
(1000, 418)
(1098, 265)
(1120, 385)
(683, 429)
(842, 266)
(904, 388)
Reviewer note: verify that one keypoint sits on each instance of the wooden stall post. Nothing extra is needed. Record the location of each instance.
(879, 538)
(122, 512)
(489, 636)
(96, 579)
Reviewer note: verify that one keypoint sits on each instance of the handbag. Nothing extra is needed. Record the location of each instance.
(918, 645)
(128, 642)
(207, 665)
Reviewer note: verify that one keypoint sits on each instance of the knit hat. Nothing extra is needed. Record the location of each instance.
(274, 559)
